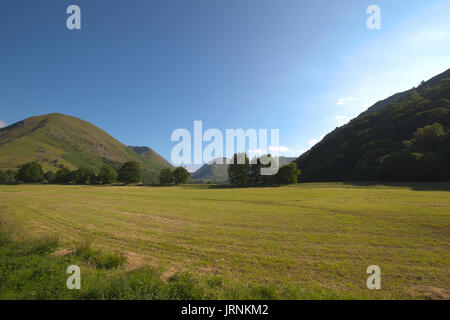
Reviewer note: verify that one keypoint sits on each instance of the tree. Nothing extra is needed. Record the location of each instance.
(107, 174)
(130, 172)
(7, 177)
(30, 172)
(82, 175)
(288, 174)
(427, 138)
(181, 175)
(238, 170)
(166, 176)
(254, 175)
(50, 176)
(4, 178)
(63, 175)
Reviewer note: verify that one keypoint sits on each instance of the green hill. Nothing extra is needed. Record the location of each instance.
(150, 176)
(56, 140)
(403, 138)
(210, 171)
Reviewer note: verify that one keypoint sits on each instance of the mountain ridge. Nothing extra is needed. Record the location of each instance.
(55, 140)
(383, 142)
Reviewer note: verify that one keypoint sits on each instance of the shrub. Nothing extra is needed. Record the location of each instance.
(130, 172)
(50, 176)
(30, 172)
(288, 174)
(63, 175)
(82, 175)
(166, 176)
(181, 175)
(107, 174)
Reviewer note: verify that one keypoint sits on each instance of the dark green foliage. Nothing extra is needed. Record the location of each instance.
(180, 175)
(107, 174)
(130, 172)
(30, 172)
(254, 174)
(406, 140)
(166, 176)
(82, 175)
(50, 177)
(7, 177)
(4, 179)
(238, 171)
(249, 173)
(288, 174)
(64, 175)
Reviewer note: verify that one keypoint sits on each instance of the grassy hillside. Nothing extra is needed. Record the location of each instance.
(404, 138)
(152, 156)
(300, 241)
(56, 140)
(212, 172)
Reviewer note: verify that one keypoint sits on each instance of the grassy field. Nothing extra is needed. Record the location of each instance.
(302, 241)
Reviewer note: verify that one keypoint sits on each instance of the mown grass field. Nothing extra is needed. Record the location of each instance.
(301, 241)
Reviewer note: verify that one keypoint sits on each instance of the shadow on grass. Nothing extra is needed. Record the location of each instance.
(416, 186)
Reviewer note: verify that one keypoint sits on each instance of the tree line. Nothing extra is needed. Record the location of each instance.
(32, 172)
(248, 173)
(129, 172)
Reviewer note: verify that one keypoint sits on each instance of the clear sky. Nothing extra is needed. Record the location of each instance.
(140, 69)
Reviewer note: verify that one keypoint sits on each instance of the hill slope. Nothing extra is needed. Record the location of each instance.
(219, 172)
(212, 172)
(56, 140)
(403, 138)
(151, 176)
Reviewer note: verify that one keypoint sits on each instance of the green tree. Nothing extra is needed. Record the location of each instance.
(82, 175)
(238, 170)
(63, 175)
(288, 174)
(166, 176)
(30, 172)
(427, 138)
(4, 178)
(130, 172)
(50, 176)
(254, 174)
(181, 175)
(107, 174)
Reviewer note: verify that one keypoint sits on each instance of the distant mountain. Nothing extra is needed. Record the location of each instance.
(218, 173)
(286, 160)
(212, 172)
(402, 138)
(56, 140)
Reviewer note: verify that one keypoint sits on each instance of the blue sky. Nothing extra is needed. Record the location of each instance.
(141, 69)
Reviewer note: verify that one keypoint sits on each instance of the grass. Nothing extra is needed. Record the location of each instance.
(308, 241)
